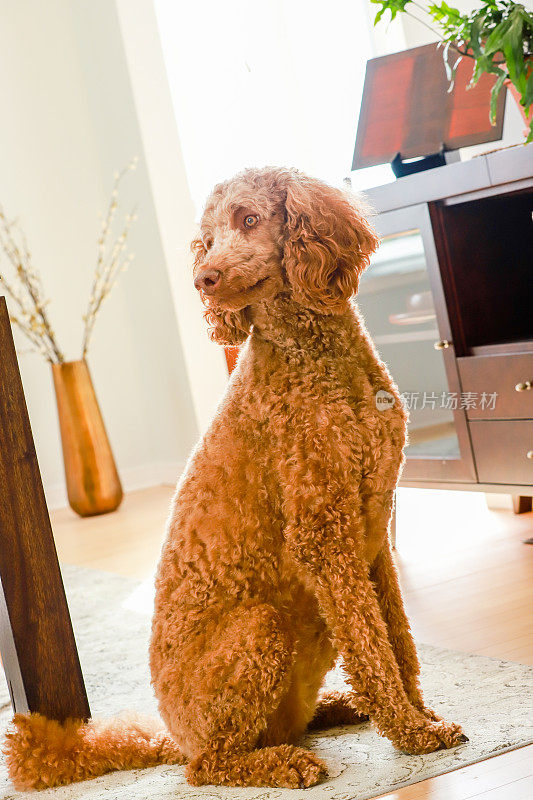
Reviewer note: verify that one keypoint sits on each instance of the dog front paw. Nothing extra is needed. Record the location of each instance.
(434, 734)
(300, 769)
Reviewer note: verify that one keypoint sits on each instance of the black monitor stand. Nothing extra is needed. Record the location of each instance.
(440, 159)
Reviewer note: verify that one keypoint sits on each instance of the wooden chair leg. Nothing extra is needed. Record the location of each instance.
(37, 643)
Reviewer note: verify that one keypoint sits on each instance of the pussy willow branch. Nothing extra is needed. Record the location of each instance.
(33, 285)
(31, 317)
(24, 321)
(110, 258)
(28, 308)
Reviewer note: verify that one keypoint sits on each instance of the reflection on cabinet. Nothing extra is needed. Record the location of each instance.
(400, 297)
(448, 301)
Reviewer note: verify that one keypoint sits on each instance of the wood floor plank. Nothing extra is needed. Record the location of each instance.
(473, 781)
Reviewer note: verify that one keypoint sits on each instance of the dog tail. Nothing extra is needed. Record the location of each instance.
(42, 753)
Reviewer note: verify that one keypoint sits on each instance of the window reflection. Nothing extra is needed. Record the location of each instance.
(396, 301)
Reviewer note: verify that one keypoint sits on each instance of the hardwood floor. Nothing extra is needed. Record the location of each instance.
(467, 579)
(127, 542)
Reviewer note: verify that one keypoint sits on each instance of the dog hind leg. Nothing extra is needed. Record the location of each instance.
(239, 682)
(333, 709)
(282, 765)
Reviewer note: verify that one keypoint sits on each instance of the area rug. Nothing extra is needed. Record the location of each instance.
(493, 700)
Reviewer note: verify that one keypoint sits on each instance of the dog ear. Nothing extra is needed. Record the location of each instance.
(328, 243)
(225, 327)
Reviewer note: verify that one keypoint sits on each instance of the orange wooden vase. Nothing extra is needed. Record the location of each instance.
(93, 485)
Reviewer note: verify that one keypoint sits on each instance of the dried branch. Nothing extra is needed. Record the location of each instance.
(27, 294)
(28, 303)
(111, 258)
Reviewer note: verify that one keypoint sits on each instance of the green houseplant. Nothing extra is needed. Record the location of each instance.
(497, 36)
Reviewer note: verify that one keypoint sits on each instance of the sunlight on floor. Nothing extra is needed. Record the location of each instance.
(440, 533)
(141, 600)
(431, 521)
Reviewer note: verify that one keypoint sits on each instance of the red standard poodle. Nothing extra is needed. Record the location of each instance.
(277, 559)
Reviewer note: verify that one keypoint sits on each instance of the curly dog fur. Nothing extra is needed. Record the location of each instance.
(277, 559)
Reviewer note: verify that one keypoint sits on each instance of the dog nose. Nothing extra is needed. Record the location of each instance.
(207, 280)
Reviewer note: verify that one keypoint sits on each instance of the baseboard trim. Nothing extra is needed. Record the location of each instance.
(140, 477)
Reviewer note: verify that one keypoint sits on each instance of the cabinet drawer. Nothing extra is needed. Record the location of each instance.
(501, 451)
(485, 376)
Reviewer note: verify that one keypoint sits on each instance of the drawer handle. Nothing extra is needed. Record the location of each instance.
(529, 454)
(523, 386)
(443, 344)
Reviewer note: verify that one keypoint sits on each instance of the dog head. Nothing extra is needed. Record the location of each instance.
(276, 231)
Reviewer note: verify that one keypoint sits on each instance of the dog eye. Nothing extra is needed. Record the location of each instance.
(208, 243)
(250, 221)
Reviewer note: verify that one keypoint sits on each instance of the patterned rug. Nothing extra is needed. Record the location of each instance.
(493, 700)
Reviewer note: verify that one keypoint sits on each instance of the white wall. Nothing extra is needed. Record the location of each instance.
(272, 83)
(68, 122)
(205, 363)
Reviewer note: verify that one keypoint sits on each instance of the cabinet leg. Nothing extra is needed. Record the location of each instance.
(521, 503)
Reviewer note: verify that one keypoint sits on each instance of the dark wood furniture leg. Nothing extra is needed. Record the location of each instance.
(522, 504)
(37, 644)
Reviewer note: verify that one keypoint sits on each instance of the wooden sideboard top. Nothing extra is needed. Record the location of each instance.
(460, 179)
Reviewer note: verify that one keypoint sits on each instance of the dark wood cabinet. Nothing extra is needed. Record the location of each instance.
(448, 300)
(508, 376)
(504, 450)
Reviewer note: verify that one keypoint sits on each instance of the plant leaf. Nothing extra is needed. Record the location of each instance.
(527, 98)
(496, 39)
(495, 92)
(475, 32)
(530, 134)
(513, 51)
(394, 6)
